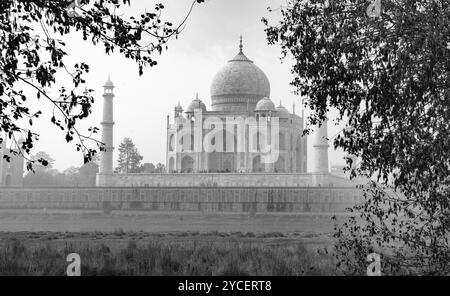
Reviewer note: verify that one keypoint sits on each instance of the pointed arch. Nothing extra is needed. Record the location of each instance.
(257, 165)
(187, 164)
(171, 165)
(298, 155)
(280, 165)
(282, 141)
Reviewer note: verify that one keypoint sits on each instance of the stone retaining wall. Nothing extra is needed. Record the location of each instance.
(206, 199)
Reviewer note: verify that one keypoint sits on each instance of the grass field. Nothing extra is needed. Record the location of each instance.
(75, 221)
(140, 253)
(178, 243)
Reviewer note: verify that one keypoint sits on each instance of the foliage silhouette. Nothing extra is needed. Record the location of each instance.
(388, 78)
(33, 55)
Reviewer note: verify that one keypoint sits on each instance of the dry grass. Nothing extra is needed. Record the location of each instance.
(45, 254)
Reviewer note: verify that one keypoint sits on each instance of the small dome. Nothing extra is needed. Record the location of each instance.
(178, 107)
(196, 104)
(282, 112)
(265, 104)
(108, 83)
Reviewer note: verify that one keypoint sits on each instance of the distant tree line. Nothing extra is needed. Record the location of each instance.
(129, 162)
(83, 176)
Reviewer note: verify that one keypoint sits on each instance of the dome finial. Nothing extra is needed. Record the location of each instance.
(196, 96)
(240, 44)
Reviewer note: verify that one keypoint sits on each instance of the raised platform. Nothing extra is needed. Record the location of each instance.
(224, 180)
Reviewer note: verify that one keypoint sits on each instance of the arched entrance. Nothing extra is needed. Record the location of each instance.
(298, 156)
(8, 180)
(171, 142)
(230, 142)
(171, 164)
(187, 164)
(280, 165)
(282, 142)
(228, 165)
(257, 165)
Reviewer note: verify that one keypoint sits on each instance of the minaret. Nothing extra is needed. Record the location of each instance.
(106, 164)
(178, 110)
(320, 145)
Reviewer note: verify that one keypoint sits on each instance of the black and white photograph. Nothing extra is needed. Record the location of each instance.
(223, 145)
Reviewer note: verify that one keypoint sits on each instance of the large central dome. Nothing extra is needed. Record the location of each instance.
(239, 85)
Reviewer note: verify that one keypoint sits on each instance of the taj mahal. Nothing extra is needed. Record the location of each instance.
(242, 153)
(242, 139)
(239, 90)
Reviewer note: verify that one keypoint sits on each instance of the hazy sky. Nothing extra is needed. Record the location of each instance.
(142, 103)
